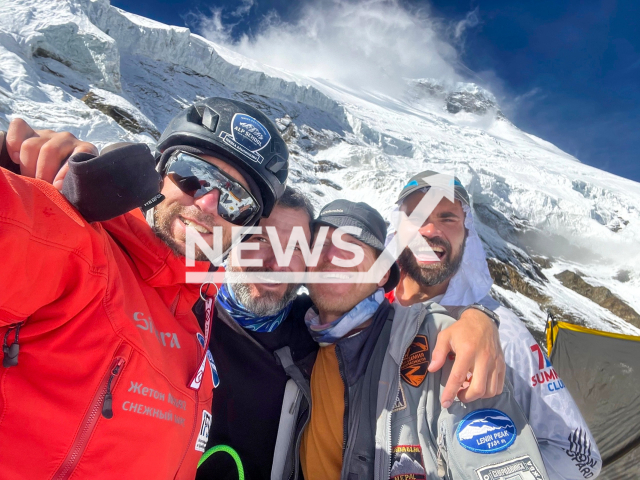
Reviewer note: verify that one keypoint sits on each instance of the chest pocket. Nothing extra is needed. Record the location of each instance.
(488, 438)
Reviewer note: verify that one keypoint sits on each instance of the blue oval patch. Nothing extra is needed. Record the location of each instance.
(247, 136)
(249, 132)
(486, 431)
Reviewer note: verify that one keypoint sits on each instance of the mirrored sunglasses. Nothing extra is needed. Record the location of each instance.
(197, 177)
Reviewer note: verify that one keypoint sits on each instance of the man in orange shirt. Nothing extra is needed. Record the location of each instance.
(373, 406)
(346, 322)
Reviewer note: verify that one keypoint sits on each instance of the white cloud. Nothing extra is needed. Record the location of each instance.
(212, 25)
(360, 43)
(243, 8)
(471, 20)
(534, 92)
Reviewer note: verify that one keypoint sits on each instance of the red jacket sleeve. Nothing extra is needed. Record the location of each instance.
(391, 296)
(51, 256)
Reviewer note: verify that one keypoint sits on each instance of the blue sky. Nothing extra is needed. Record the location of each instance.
(565, 70)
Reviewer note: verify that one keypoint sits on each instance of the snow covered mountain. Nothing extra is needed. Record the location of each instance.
(561, 236)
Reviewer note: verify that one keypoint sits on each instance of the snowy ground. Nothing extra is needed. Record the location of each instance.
(533, 199)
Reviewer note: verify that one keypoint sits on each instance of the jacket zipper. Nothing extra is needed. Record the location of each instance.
(390, 442)
(195, 414)
(441, 461)
(107, 410)
(193, 429)
(390, 416)
(345, 416)
(90, 421)
(296, 455)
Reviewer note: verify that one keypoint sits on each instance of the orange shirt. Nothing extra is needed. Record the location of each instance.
(321, 447)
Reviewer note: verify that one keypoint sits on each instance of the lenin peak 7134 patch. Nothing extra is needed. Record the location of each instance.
(407, 463)
(416, 361)
(486, 431)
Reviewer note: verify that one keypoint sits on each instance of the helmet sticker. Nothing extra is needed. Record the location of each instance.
(247, 136)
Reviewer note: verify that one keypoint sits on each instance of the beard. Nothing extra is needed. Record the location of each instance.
(431, 274)
(265, 304)
(163, 219)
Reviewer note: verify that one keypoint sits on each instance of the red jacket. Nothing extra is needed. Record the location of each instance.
(103, 308)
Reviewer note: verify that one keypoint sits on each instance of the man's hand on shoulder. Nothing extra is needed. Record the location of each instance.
(41, 153)
(475, 341)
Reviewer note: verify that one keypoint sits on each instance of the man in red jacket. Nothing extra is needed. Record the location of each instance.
(103, 359)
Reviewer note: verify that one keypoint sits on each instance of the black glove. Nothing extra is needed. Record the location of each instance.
(5, 159)
(123, 177)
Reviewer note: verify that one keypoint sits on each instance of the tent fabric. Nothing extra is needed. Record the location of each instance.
(602, 372)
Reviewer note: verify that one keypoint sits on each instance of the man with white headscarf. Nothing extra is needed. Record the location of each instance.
(446, 263)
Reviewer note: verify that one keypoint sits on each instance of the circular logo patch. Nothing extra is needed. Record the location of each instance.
(486, 431)
(247, 136)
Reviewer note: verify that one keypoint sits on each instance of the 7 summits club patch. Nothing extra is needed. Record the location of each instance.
(416, 361)
(247, 136)
(407, 463)
(521, 468)
(486, 431)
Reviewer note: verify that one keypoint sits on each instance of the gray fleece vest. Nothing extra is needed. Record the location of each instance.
(488, 439)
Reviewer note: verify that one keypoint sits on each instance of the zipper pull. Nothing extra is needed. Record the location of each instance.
(442, 471)
(10, 355)
(440, 461)
(107, 410)
(11, 352)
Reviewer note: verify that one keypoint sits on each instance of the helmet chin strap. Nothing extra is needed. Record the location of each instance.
(150, 217)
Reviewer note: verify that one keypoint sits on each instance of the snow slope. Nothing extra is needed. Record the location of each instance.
(107, 75)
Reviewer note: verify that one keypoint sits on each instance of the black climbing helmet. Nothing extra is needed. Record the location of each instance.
(237, 132)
